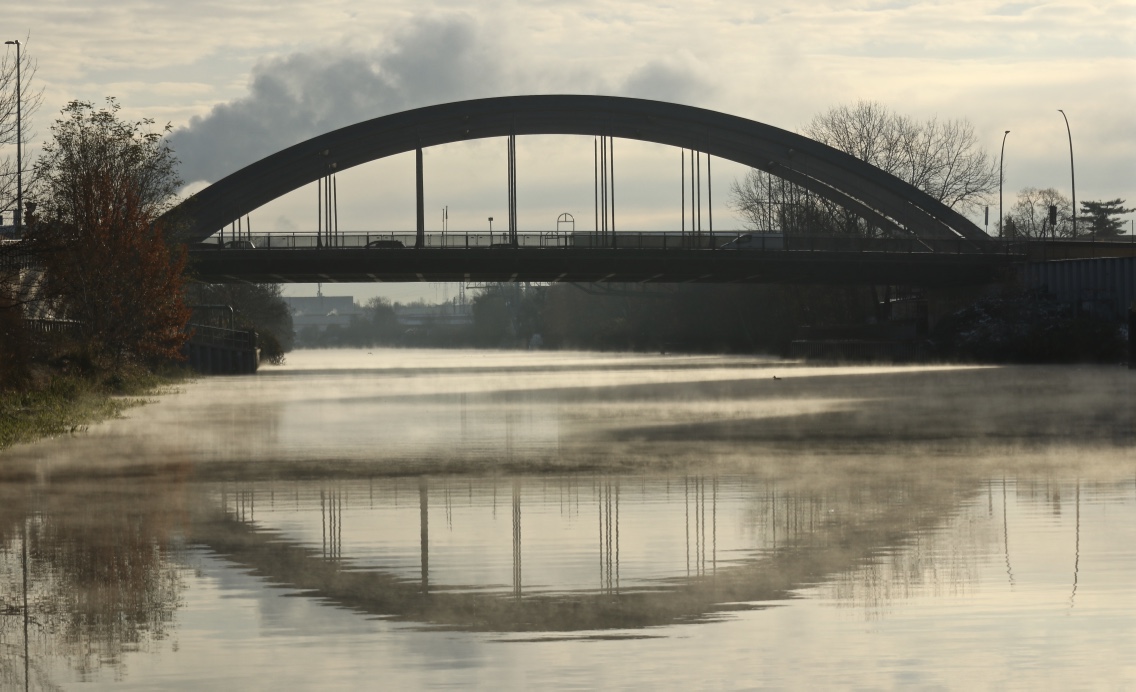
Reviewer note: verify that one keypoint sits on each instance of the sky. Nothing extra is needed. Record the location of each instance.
(239, 81)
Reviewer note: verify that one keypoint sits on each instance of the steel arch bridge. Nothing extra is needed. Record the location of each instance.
(880, 198)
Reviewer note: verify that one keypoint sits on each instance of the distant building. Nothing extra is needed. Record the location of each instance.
(321, 311)
(444, 315)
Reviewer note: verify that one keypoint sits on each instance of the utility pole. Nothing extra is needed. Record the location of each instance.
(1072, 174)
(1001, 159)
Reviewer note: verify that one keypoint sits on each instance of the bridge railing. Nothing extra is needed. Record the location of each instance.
(218, 336)
(629, 240)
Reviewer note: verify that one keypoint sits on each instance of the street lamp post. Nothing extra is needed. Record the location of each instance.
(19, 145)
(1001, 158)
(1072, 175)
(490, 230)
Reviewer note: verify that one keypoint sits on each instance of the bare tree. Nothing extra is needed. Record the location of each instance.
(770, 204)
(941, 158)
(1029, 217)
(31, 99)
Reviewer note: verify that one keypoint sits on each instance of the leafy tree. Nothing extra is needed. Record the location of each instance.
(381, 320)
(1102, 217)
(99, 168)
(255, 306)
(505, 314)
(102, 184)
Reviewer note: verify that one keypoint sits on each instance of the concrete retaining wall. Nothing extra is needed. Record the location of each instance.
(218, 360)
(217, 351)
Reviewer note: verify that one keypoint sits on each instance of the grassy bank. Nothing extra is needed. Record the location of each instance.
(63, 402)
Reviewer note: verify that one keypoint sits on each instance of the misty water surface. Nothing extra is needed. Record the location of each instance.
(455, 518)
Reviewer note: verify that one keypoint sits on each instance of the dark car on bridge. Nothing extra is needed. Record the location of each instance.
(385, 244)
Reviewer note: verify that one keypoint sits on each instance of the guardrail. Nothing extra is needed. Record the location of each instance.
(628, 240)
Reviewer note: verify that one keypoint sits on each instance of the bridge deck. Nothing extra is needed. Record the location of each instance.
(593, 265)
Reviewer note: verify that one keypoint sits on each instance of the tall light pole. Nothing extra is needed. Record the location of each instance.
(1072, 175)
(19, 145)
(1001, 158)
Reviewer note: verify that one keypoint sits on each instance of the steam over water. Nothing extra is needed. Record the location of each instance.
(407, 519)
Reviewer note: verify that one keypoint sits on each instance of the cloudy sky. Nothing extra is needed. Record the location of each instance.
(239, 81)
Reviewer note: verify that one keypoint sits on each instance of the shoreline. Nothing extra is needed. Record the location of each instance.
(68, 403)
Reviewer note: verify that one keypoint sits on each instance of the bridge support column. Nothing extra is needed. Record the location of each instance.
(420, 237)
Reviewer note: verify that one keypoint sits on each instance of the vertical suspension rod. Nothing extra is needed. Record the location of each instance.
(603, 188)
(509, 184)
(611, 147)
(710, 199)
(420, 235)
(698, 168)
(692, 225)
(596, 188)
(512, 183)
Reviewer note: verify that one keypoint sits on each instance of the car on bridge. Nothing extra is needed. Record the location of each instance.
(385, 244)
(756, 241)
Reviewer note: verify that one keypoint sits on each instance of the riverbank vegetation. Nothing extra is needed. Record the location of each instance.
(994, 324)
(64, 397)
(92, 292)
(1028, 327)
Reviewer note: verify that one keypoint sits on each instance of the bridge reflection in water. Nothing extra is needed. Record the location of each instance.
(91, 572)
(576, 553)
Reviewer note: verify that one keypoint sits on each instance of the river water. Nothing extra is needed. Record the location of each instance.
(408, 519)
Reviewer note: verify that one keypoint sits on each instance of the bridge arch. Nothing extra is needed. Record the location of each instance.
(879, 197)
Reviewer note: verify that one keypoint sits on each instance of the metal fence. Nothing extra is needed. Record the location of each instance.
(1105, 285)
(224, 338)
(71, 329)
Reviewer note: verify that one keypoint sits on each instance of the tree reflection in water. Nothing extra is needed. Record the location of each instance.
(103, 575)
